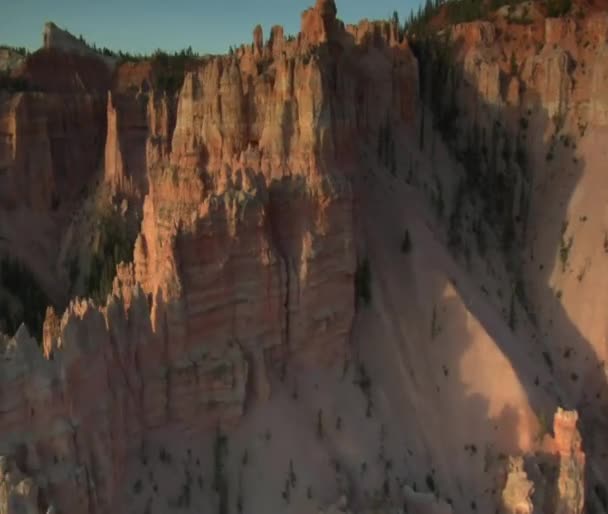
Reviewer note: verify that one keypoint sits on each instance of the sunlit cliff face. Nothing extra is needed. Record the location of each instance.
(387, 247)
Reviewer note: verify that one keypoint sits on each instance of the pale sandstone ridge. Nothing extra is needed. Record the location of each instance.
(55, 38)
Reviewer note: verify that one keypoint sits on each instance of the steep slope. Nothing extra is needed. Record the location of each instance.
(274, 297)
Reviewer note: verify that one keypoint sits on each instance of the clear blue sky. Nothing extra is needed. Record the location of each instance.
(209, 26)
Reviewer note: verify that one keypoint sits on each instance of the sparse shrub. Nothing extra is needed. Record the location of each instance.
(363, 277)
(137, 487)
(15, 84)
(386, 487)
(435, 329)
(543, 426)
(115, 245)
(165, 456)
(32, 301)
(513, 64)
(220, 481)
(320, 424)
(406, 243)
(548, 360)
(512, 314)
(602, 495)
(430, 482)
(564, 251)
(286, 493)
(292, 474)
(557, 8)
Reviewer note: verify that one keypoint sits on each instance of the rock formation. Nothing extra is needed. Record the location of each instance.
(247, 178)
(54, 38)
(553, 480)
(10, 60)
(517, 494)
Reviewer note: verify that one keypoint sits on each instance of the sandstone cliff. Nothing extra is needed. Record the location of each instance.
(263, 184)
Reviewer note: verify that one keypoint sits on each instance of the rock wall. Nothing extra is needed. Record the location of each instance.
(552, 480)
(49, 148)
(246, 256)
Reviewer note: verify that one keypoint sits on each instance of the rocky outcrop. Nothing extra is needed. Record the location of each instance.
(319, 24)
(553, 479)
(19, 493)
(54, 38)
(49, 148)
(246, 254)
(517, 493)
(141, 379)
(571, 481)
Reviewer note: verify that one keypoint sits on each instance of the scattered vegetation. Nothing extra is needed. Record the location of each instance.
(435, 328)
(220, 481)
(557, 8)
(602, 495)
(565, 247)
(137, 487)
(171, 69)
(406, 243)
(363, 277)
(548, 360)
(512, 313)
(457, 11)
(25, 302)
(114, 245)
(543, 426)
(15, 84)
(364, 381)
(320, 430)
(386, 147)
(430, 482)
(21, 50)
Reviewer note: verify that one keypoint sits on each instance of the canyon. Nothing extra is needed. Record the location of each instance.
(356, 270)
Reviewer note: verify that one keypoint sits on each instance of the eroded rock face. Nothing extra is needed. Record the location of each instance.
(552, 480)
(517, 493)
(571, 481)
(245, 259)
(49, 147)
(18, 493)
(54, 38)
(246, 255)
